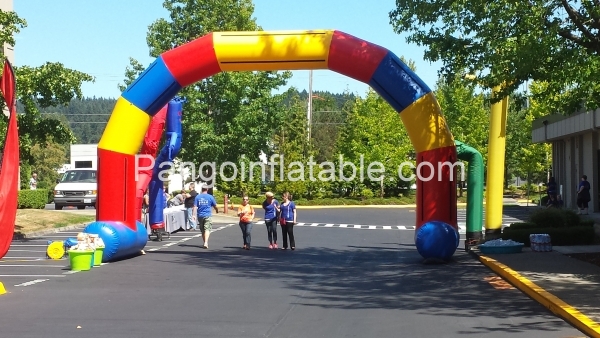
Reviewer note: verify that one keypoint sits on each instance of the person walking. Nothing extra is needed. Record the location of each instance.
(188, 203)
(583, 195)
(202, 212)
(145, 206)
(33, 181)
(271, 206)
(246, 215)
(287, 221)
(551, 188)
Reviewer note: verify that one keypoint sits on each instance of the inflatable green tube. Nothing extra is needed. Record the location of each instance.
(475, 181)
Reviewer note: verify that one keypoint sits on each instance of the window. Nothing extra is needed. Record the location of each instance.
(86, 176)
(83, 164)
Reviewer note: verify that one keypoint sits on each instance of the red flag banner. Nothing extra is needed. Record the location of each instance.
(9, 172)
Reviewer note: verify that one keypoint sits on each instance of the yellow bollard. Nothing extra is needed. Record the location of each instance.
(495, 168)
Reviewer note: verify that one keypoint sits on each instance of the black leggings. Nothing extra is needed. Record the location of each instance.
(288, 230)
(582, 203)
(272, 230)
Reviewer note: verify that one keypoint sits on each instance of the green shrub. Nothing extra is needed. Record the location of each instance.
(367, 193)
(32, 199)
(555, 218)
(525, 225)
(587, 222)
(570, 217)
(50, 196)
(575, 235)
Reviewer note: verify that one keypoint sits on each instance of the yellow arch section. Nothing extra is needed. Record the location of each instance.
(273, 50)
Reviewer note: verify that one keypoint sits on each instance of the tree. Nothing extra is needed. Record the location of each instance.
(374, 134)
(228, 114)
(526, 160)
(48, 158)
(301, 173)
(506, 43)
(465, 112)
(48, 85)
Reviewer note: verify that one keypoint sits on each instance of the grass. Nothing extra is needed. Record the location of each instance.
(31, 220)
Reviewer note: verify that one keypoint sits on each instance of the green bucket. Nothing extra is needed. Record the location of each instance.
(98, 256)
(81, 260)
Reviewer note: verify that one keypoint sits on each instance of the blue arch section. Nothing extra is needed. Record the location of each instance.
(153, 89)
(396, 83)
(119, 240)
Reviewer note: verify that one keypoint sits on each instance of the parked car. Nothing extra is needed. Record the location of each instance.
(77, 187)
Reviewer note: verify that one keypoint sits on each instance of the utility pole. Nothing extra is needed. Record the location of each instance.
(309, 110)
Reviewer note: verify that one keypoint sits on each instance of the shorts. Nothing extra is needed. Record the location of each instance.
(205, 224)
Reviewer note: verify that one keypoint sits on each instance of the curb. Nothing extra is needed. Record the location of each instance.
(548, 300)
(47, 231)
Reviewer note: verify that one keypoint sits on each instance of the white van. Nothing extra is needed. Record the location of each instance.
(76, 187)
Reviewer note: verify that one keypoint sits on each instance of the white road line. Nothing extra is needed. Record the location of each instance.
(70, 272)
(26, 251)
(387, 227)
(314, 225)
(45, 238)
(49, 276)
(29, 240)
(328, 225)
(356, 226)
(372, 227)
(32, 282)
(154, 249)
(30, 266)
(343, 225)
(24, 245)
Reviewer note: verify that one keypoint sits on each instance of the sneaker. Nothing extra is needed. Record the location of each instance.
(270, 246)
(205, 246)
(293, 248)
(283, 248)
(274, 245)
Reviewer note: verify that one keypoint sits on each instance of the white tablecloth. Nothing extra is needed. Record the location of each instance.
(174, 218)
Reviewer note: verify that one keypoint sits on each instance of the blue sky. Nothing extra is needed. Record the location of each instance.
(98, 36)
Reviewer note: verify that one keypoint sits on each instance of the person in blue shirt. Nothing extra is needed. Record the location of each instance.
(203, 203)
(287, 221)
(271, 206)
(583, 195)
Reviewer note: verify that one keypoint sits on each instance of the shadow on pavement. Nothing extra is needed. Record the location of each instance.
(378, 278)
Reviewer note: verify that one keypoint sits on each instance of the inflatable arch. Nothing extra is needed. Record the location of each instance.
(266, 51)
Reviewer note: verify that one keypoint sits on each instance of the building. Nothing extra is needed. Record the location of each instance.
(575, 152)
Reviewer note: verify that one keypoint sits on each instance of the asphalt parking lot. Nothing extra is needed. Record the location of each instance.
(27, 264)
